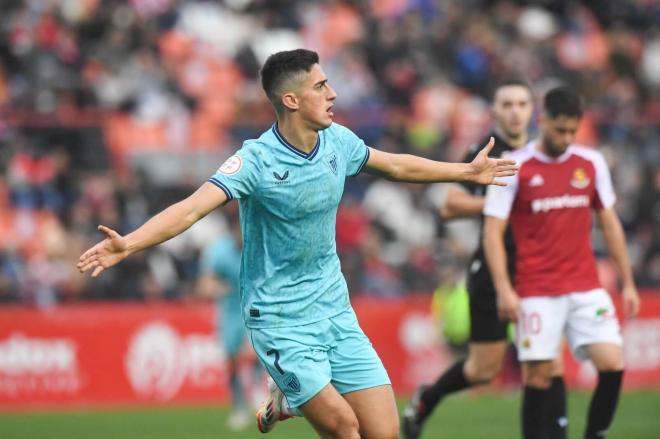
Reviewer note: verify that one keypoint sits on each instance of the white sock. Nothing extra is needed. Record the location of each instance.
(288, 410)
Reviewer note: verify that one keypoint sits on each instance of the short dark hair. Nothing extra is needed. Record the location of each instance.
(507, 81)
(562, 101)
(282, 66)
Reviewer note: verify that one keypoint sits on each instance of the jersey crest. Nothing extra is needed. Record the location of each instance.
(331, 160)
(291, 382)
(580, 179)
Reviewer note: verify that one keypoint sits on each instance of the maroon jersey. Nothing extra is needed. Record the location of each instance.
(549, 206)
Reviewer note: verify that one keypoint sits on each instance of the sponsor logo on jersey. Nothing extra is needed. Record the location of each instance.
(580, 179)
(281, 178)
(562, 202)
(536, 180)
(231, 166)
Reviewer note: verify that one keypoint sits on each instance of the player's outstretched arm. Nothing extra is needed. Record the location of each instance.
(170, 222)
(508, 303)
(615, 240)
(413, 169)
(458, 203)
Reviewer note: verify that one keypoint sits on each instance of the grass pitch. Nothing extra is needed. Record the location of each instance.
(463, 416)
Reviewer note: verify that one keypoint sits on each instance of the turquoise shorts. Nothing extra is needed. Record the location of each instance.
(304, 359)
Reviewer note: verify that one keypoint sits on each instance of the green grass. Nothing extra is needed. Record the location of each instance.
(464, 417)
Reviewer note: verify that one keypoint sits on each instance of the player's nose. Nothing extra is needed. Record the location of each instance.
(332, 94)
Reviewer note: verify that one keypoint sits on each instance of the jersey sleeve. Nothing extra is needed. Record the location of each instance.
(605, 196)
(499, 199)
(356, 152)
(239, 175)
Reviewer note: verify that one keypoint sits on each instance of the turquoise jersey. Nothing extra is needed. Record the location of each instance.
(288, 199)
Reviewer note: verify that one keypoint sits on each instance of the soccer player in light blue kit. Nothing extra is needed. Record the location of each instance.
(295, 301)
(220, 268)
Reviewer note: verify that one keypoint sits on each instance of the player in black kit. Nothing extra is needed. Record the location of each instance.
(512, 110)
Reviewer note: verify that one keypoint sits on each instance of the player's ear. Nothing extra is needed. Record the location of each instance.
(290, 101)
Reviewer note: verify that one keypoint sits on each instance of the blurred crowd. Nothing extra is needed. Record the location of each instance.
(111, 110)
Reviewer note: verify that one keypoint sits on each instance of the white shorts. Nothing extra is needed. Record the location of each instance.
(585, 318)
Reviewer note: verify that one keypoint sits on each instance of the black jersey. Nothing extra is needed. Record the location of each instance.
(479, 275)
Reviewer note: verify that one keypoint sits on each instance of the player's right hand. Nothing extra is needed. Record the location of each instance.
(112, 250)
(631, 301)
(508, 306)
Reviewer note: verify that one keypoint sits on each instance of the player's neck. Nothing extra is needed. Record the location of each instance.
(548, 152)
(512, 141)
(297, 134)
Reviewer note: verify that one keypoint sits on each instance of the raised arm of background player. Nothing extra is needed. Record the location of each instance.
(180, 216)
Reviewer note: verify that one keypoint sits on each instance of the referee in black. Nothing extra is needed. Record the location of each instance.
(512, 110)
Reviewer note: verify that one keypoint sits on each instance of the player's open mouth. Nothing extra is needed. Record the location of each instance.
(329, 110)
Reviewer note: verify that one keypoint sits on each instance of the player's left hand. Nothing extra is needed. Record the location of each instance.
(631, 301)
(112, 250)
(485, 170)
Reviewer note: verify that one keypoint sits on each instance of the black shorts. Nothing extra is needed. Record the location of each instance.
(485, 325)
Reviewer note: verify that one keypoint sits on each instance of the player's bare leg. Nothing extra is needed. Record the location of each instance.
(376, 412)
(331, 415)
(608, 359)
(606, 356)
(484, 361)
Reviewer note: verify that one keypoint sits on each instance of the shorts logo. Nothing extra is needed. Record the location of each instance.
(580, 179)
(604, 313)
(331, 160)
(231, 166)
(291, 382)
(526, 343)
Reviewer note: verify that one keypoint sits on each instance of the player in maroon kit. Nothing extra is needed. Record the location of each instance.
(549, 206)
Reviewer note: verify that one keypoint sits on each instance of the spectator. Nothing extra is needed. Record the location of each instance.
(153, 97)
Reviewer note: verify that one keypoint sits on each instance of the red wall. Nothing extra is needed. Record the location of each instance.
(139, 353)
